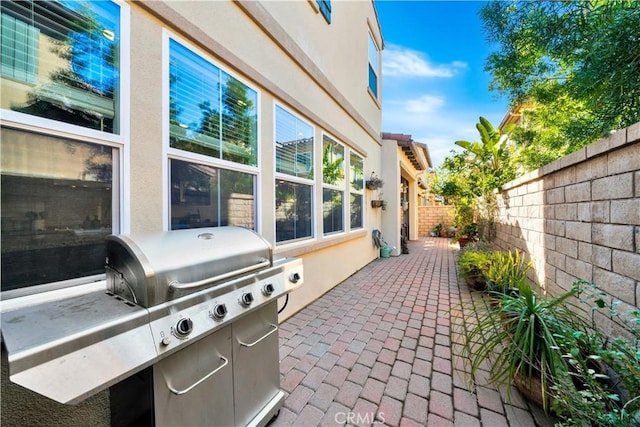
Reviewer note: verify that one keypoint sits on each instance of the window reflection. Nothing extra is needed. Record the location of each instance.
(293, 211)
(60, 61)
(332, 162)
(356, 211)
(56, 208)
(206, 196)
(356, 173)
(210, 112)
(294, 145)
(332, 201)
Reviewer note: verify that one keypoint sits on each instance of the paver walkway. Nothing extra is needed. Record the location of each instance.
(383, 347)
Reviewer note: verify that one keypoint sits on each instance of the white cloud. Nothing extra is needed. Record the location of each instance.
(403, 62)
(424, 104)
(431, 120)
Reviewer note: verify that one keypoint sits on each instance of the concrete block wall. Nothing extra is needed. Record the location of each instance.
(430, 216)
(579, 218)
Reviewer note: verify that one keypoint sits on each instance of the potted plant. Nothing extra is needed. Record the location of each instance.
(437, 229)
(468, 233)
(374, 183)
(522, 339)
(620, 356)
(507, 272)
(473, 264)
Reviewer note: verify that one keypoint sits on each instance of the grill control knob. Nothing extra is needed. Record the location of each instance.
(294, 277)
(246, 299)
(268, 289)
(219, 311)
(183, 328)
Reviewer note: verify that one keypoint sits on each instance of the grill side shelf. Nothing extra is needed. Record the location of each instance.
(70, 349)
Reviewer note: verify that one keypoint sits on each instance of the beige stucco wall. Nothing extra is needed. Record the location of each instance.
(396, 165)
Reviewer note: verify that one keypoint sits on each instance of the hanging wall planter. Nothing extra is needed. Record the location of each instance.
(374, 183)
(377, 203)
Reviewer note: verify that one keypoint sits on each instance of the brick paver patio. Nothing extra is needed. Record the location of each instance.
(383, 347)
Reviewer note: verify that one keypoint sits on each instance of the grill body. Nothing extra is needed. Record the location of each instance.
(190, 313)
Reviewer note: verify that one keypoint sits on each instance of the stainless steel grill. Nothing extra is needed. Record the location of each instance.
(196, 307)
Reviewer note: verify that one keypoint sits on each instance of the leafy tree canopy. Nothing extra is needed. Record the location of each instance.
(577, 62)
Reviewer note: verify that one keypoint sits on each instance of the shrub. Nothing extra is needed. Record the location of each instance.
(507, 271)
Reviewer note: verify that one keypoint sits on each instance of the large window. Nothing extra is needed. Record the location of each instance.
(356, 185)
(294, 177)
(206, 196)
(58, 200)
(374, 66)
(210, 112)
(60, 61)
(333, 185)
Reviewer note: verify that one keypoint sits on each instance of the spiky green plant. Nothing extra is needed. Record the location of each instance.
(521, 337)
(506, 271)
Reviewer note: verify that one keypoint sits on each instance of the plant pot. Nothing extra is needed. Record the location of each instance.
(530, 389)
(377, 203)
(476, 283)
(444, 233)
(462, 241)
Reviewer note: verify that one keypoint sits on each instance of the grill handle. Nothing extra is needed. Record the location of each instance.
(175, 285)
(225, 362)
(273, 329)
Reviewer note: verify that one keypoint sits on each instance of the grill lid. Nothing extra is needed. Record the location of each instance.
(150, 269)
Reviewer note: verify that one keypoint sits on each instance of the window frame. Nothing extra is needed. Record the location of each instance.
(283, 176)
(119, 142)
(119, 217)
(340, 187)
(224, 163)
(371, 42)
(358, 192)
(122, 137)
(171, 153)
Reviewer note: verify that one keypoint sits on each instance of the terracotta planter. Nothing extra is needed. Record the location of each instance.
(530, 389)
(462, 241)
(377, 203)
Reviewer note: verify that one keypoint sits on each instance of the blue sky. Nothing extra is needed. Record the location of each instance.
(434, 86)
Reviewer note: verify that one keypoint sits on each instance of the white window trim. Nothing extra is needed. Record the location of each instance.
(302, 241)
(277, 105)
(44, 124)
(169, 153)
(359, 192)
(376, 67)
(343, 188)
(39, 294)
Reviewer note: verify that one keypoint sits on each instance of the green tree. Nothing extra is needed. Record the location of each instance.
(578, 63)
(468, 179)
(488, 158)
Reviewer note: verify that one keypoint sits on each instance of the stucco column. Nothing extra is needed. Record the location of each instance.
(391, 194)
